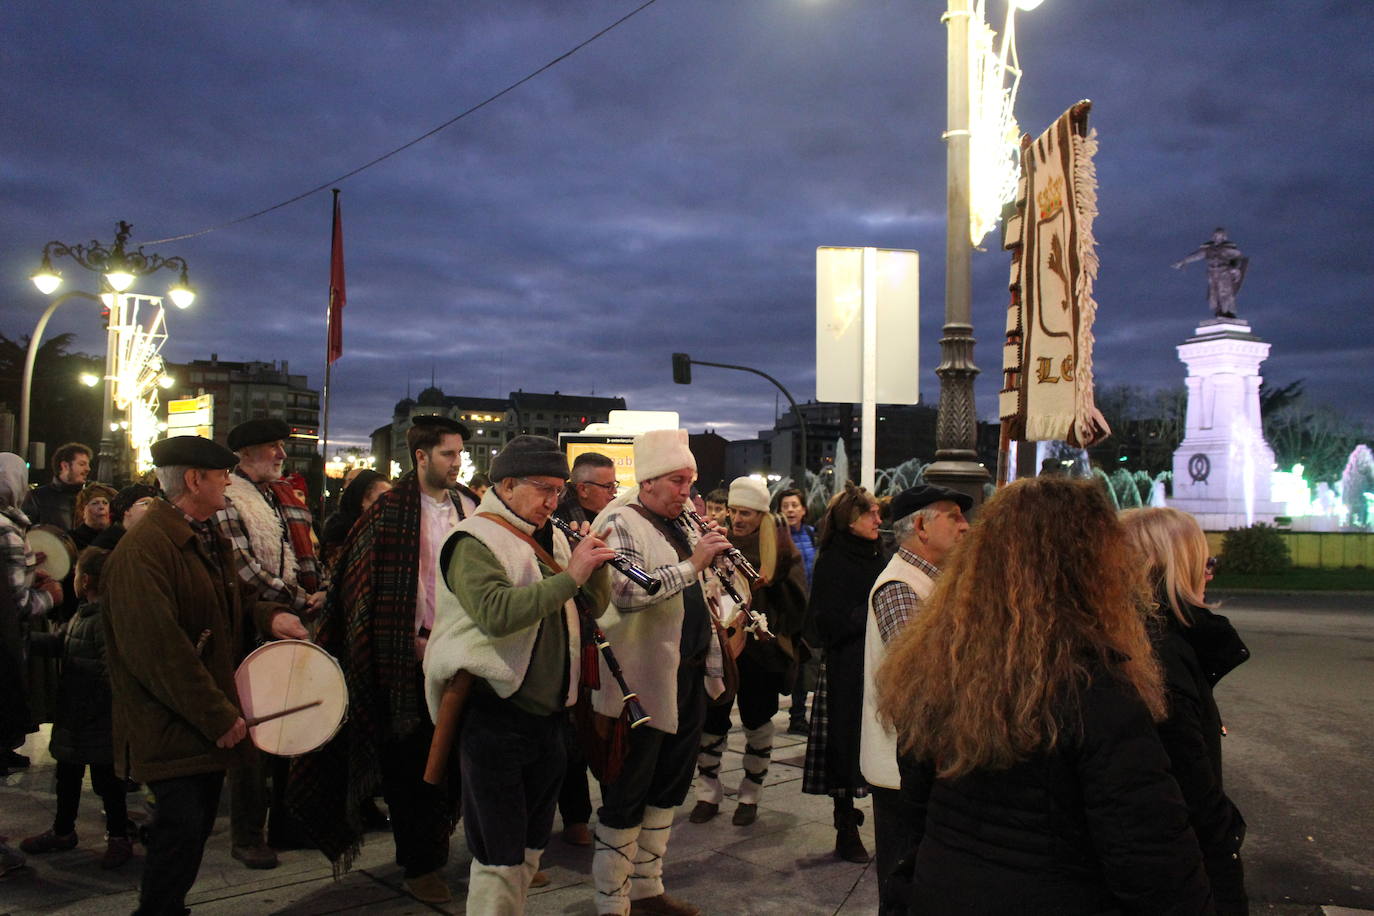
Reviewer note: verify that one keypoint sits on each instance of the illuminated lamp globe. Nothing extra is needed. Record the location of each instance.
(183, 294)
(119, 279)
(166, 381)
(46, 279)
(89, 379)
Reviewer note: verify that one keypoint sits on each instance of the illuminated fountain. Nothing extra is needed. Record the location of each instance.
(1223, 467)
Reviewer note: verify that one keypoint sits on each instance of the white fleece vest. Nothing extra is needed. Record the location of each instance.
(266, 532)
(878, 744)
(458, 645)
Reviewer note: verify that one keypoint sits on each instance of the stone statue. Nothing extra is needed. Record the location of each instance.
(1226, 267)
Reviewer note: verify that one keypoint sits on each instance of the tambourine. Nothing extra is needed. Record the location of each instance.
(293, 696)
(59, 550)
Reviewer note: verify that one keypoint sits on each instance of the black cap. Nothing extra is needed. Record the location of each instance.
(256, 432)
(192, 452)
(125, 499)
(439, 421)
(922, 495)
(529, 456)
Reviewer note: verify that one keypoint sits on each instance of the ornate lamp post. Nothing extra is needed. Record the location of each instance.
(119, 268)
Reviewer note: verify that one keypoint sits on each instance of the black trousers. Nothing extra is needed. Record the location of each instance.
(658, 768)
(182, 820)
(248, 798)
(109, 787)
(894, 836)
(416, 808)
(512, 766)
(757, 697)
(575, 798)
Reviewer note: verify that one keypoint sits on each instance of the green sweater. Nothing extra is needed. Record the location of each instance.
(479, 582)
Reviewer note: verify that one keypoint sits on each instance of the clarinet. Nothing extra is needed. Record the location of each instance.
(637, 715)
(732, 559)
(632, 572)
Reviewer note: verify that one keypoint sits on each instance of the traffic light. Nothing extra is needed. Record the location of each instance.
(682, 369)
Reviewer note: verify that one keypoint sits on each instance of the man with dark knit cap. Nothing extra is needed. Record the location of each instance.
(174, 620)
(377, 623)
(509, 618)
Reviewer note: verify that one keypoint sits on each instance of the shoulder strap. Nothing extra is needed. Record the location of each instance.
(539, 551)
(675, 536)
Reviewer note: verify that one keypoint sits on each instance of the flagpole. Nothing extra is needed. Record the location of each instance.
(329, 357)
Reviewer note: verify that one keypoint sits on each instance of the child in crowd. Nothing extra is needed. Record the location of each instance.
(81, 732)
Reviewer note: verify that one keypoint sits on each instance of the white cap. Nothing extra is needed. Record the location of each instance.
(749, 493)
(659, 451)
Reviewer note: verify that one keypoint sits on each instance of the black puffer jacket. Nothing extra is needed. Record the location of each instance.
(81, 730)
(1194, 659)
(1095, 826)
(53, 504)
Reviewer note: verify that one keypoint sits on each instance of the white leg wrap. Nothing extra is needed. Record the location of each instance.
(531, 864)
(709, 788)
(647, 880)
(758, 750)
(612, 865)
(496, 890)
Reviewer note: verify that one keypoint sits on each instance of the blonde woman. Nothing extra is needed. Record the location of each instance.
(1025, 697)
(1196, 648)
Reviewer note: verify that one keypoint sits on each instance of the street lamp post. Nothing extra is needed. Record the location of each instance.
(956, 465)
(682, 374)
(119, 268)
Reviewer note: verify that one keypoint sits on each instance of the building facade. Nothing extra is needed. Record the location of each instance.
(250, 391)
(493, 421)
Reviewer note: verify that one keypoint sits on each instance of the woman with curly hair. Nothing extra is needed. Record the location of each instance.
(1196, 649)
(1024, 698)
(848, 560)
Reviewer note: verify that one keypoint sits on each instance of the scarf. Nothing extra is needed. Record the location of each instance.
(1047, 390)
(368, 625)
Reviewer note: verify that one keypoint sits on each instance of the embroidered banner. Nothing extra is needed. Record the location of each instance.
(1047, 389)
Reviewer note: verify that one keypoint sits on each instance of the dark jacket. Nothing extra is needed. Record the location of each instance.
(107, 539)
(53, 504)
(81, 730)
(846, 569)
(782, 601)
(1194, 658)
(1094, 826)
(163, 592)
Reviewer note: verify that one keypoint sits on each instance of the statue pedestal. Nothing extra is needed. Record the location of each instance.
(1222, 468)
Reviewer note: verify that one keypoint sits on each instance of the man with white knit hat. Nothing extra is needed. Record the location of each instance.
(661, 642)
(766, 663)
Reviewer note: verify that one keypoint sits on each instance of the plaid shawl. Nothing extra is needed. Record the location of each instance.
(298, 527)
(368, 624)
(1047, 390)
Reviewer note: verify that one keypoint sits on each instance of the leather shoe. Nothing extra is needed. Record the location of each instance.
(47, 841)
(259, 856)
(798, 727)
(745, 815)
(577, 835)
(662, 905)
(118, 850)
(539, 880)
(428, 888)
(703, 812)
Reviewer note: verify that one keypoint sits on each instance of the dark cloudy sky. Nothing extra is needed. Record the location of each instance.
(666, 187)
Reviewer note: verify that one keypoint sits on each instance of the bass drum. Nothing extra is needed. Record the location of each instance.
(59, 550)
(285, 674)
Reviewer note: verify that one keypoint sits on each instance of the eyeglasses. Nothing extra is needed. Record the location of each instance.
(611, 487)
(1212, 564)
(544, 489)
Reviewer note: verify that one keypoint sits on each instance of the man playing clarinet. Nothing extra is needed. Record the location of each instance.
(507, 619)
(662, 642)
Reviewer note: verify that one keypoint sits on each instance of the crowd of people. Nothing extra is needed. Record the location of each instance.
(1027, 700)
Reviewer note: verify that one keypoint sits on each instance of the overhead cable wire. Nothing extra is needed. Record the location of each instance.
(425, 136)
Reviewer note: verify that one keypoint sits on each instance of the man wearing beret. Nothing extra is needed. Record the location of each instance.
(270, 529)
(377, 623)
(508, 616)
(766, 665)
(662, 642)
(175, 616)
(927, 521)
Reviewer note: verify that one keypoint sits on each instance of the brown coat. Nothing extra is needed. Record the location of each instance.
(170, 703)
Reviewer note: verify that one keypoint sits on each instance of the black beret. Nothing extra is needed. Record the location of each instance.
(438, 421)
(125, 499)
(192, 452)
(922, 495)
(529, 456)
(256, 432)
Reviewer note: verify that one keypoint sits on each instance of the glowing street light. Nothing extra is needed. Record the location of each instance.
(89, 379)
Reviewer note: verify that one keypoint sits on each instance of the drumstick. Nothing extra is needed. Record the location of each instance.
(258, 720)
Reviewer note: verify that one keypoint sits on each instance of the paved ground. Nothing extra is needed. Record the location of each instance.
(1298, 764)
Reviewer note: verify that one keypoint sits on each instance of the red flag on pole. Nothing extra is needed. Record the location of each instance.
(337, 298)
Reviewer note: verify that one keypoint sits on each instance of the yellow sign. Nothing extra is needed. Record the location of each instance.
(619, 449)
(191, 416)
